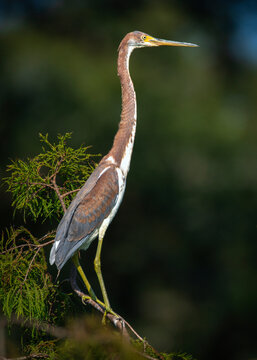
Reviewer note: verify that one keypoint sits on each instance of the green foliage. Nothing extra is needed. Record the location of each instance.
(89, 339)
(42, 185)
(145, 348)
(42, 349)
(86, 338)
(23, 284)
(26, 289)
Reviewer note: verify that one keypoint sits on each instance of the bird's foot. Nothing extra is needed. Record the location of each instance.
(85, 298)
(88, 298)
(104, 317)
(107, 309)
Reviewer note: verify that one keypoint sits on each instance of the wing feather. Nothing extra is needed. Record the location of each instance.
(87, 216)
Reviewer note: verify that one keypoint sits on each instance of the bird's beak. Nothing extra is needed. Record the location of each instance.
(160, 42)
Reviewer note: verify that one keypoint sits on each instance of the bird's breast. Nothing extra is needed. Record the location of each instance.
(122, 185)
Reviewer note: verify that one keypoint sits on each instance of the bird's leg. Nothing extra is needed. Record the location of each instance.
(89, 288)
(98, 271)
(83, 276)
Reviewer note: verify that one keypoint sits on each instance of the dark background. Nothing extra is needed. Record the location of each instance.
(180, 257)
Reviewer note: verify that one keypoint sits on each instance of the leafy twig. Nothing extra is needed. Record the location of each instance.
(13, 248)
(43, 186)
(29, 267)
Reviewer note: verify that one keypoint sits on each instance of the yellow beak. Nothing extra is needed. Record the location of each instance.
(161, 42)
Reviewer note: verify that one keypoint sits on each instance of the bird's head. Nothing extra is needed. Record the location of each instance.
(138, 39)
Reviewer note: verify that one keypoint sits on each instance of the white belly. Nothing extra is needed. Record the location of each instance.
(107, 221)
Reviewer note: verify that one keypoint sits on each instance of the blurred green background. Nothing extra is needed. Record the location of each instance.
(180, 257)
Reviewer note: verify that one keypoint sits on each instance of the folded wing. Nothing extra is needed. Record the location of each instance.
(85, 215)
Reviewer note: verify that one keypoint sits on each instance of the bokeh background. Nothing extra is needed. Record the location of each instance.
(180, 257)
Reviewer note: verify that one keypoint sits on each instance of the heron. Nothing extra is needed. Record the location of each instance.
(95, 205)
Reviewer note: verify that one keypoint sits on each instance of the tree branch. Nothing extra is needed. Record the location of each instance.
(43, 185)
(56, 188)
(32, 245)
(117, 321)
(69, 192)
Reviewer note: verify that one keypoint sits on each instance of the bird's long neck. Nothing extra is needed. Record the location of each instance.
(121, 151)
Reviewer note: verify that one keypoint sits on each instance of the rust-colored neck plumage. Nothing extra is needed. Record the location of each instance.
(121, 150)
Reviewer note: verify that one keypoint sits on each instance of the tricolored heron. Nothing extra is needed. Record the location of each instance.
(95, 205)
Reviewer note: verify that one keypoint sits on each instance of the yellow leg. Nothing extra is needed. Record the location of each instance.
(98, 271)
(83, 276)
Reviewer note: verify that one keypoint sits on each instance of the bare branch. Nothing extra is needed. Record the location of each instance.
(56, 188)
(58, 165)
(52, 178)
(69, 192)
(43, 185)
(45, 244)
(32, 245)
(46, 236)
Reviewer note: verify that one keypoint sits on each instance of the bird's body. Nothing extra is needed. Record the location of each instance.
(89, 214)
(95, 205)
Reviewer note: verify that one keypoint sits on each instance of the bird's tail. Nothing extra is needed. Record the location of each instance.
(53, 252)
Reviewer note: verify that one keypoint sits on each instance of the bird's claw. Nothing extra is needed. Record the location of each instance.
(84, 299)
(107, 309)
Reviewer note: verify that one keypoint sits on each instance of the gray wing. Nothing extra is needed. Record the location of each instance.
(86, 213)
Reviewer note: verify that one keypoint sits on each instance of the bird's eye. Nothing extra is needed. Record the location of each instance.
(143, 37)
